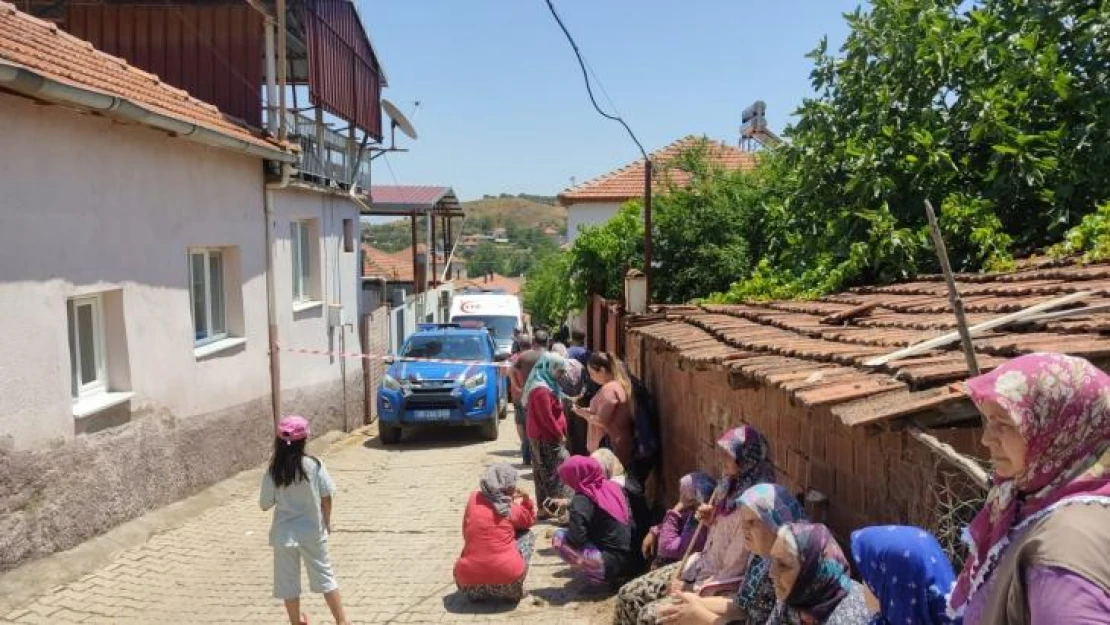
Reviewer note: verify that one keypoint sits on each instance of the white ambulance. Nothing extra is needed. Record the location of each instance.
(498, 312)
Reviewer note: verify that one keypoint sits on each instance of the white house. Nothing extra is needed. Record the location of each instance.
(153, 252)
(594, 202)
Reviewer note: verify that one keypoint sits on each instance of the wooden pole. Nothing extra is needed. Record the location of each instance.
(944, 450)
(953, 292)
(693, 541)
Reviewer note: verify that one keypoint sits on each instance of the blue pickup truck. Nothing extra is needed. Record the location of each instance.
(469, 392)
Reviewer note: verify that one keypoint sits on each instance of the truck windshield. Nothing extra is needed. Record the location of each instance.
(501, 327)
(446, 347)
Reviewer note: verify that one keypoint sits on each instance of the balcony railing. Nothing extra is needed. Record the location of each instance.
(327, 156)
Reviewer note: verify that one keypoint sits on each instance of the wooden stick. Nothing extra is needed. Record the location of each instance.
(836, 319)
(998, 322)
(1071, 312)
(693, 541)
(953, 291)
(962, 462)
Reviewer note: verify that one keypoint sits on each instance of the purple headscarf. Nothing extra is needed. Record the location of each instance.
(752, 455)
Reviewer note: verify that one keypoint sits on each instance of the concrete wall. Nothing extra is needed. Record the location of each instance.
(94, 206)
(313, 385)
(869, 477)
(588, 214)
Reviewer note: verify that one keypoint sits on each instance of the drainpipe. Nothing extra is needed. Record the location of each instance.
(283, 66)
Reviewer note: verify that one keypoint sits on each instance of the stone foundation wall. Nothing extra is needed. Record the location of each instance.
(323, 404)
(52, 499)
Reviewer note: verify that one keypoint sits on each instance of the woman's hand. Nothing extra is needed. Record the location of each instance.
(677, 587)
(706, 514)
(683, 608)
(649, 546)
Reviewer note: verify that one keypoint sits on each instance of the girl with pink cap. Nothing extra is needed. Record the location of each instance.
(299, 489)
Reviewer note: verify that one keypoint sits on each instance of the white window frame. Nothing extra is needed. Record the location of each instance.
(210, 335)
(303, 263)
(98, 385)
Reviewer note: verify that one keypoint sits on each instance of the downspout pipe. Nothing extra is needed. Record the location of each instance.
(32, 84)
(271, 294)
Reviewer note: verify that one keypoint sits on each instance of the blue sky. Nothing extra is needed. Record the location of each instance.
(503, 108)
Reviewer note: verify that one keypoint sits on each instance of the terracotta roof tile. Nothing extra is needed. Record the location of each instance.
(627, 183)
(396, 266)
(793, 346)
(497, 282)
(43, 48)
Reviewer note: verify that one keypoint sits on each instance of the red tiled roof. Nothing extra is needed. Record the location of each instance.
(397, 266)
(802, 348)
(41, 47)
(497, 282)
(627, 183)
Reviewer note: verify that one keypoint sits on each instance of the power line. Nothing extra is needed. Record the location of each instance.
(586, 78)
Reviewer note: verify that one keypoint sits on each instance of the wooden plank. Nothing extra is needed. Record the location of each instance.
(999, 322)
(873, 410)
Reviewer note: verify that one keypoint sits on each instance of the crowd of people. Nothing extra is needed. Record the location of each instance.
(738, 548)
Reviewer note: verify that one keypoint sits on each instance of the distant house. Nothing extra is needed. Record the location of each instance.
(596, 201)
(491, 283)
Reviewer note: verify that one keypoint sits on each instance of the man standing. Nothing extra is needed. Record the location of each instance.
(517, 378)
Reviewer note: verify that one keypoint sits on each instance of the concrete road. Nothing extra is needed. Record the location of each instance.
(397, 526)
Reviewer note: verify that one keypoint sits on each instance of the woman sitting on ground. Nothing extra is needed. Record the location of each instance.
(546, 428)
(597, 542)
(1040, 547)
(745, 458)
(812, 581)
(765, 508)
(667, 542)
(610, 413)
(906, 575)
(497, 543)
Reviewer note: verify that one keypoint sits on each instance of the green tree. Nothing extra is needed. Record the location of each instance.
(547, 293)
(488, 258)
(602, 254)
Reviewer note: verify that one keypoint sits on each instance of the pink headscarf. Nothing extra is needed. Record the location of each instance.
(586, 477)
(1061, 406)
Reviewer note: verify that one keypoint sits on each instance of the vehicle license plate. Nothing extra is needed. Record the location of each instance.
(432, 415)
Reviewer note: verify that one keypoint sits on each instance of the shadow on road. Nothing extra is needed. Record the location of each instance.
(459, 603)
(419, 438)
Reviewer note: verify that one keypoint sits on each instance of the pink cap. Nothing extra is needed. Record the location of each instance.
(292, 428)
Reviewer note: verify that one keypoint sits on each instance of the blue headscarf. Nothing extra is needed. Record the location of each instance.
(907, 571)
(543, 375)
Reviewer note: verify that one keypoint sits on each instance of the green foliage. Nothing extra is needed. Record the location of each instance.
(991, 112)
(1091, 237)
(547, 294)
(602, 254)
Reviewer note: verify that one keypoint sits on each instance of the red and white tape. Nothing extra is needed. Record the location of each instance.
(384, 357)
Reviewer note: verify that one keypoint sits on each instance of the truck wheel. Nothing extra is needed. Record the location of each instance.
(389, 434)
(489, 430)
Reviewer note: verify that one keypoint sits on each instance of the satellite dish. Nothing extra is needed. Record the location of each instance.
(398, 119)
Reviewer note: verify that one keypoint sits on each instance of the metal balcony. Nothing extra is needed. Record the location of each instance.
(327, 156)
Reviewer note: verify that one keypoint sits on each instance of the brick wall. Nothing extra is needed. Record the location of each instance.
(869, 476)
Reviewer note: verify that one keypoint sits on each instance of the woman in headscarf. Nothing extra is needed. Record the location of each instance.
(1040, 547)
(906, 575)
(765, 508)
(597, 542)
(497, 543)
(812, 581)
(614, 470)
(745, 460)
(666, 543)
(546, 428)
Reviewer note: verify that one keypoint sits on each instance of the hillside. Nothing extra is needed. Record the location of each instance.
(525, 210)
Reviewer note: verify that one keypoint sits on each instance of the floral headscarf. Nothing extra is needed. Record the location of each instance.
(823, 578)
(609, 461)
(543, 375)
(776, 506)
(1061, 406)
(498, 484)
(907, 571)
(752, 455)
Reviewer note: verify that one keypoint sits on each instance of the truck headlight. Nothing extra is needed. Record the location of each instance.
(390, 383)
(475, 381)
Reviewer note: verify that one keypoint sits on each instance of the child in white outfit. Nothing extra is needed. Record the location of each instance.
(299, 489)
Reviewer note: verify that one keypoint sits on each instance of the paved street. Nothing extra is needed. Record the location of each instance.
(397, 523)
